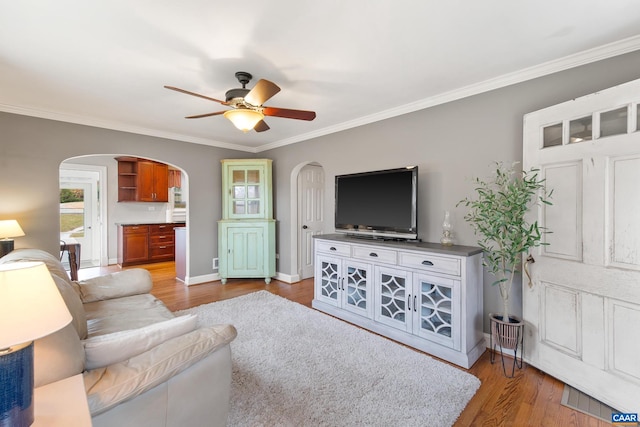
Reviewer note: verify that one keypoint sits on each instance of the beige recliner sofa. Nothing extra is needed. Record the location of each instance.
(142, 365)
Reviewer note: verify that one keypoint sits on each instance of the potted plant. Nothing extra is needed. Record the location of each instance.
(498, 216)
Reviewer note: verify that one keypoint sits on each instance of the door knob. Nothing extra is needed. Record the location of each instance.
(304, 227)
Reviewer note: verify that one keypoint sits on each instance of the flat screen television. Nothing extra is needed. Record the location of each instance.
(378, 204)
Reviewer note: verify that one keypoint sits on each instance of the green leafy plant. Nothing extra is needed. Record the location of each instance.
(498, 216)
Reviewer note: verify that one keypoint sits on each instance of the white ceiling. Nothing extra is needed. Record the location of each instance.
(104, 62)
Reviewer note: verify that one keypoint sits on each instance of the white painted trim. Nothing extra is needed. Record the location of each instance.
(102, 188)
(507, 353)
(592, 55)
(119, 126)
(599, 53)
(287, 278)
(196, 280)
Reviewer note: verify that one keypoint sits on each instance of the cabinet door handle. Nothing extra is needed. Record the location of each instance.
(163, 247)
(415, 303)
(332, 248)
(373, 254)
(409, 302)
(427, 262)
(342, 281)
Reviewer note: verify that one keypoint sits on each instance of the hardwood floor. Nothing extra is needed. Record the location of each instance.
(532, 398)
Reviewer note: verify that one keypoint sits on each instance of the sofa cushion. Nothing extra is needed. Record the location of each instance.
(117, 383)
(121, 314)
(115, 285)
(104, 350)
(57, 356)
(53, 264)
(74, 305)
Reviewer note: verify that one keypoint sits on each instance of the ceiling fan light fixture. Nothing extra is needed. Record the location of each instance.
(244, 118)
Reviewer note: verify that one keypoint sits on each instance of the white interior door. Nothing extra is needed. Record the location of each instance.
(79, 217)
(583, 311)
(310, 217)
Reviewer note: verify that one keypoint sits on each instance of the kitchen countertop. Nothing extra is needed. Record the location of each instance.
(150, 223)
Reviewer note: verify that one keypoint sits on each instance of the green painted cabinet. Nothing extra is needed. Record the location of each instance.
(247, 232)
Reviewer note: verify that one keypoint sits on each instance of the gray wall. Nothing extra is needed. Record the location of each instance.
(450, 143)
(32, 149)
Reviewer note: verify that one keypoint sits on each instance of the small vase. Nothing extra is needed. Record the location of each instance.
(446, 239)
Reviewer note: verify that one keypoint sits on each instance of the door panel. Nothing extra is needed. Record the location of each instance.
(565, 216)
(583, 310)
(624, 212)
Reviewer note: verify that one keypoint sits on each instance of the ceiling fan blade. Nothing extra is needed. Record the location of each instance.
(261, 126)
(177, 89)
(199, 116)
(261, 92)
(289, 114)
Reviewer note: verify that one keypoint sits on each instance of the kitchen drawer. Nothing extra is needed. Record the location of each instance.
(428, 262)
(130, 229)
(162, 251)
(162, 239)
(386, 256)
(161, 228)
(333, 248)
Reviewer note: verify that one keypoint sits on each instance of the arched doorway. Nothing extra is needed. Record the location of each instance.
(307, 216)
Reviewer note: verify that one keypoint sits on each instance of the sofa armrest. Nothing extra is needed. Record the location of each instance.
(117, 383)
(114, 285)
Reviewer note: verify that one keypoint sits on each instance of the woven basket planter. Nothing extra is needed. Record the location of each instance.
(508, 335)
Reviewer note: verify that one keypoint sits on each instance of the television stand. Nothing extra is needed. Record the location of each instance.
(421, 294)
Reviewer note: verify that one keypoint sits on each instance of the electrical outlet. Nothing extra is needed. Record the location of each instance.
(151, 208)
(215, 263)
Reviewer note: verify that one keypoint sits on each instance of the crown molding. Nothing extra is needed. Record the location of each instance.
(588, 56)
(118, 126)
(585, 57)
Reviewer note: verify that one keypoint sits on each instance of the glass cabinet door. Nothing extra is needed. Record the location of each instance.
(328, 274)
(357, 292)
(246, 193)
(393, 288)
(436, 310)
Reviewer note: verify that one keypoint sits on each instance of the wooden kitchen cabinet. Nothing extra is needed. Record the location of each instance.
(141, 180)
(133, 244)
(145, 243)
(161, 242)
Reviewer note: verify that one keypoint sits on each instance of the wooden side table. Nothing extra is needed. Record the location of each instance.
(62, 404)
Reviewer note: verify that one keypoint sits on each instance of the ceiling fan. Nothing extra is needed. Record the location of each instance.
(247, 110)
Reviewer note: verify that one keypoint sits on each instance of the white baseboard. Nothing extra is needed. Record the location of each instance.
(507, 353)
(196, 280)
(287, 278)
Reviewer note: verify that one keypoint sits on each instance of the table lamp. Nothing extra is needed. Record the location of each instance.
(31, 307)
(8, 228)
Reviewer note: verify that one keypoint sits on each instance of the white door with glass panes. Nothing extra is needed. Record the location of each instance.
(582, 312)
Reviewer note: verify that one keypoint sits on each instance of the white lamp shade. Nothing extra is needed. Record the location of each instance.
(31, 306)
(10, 228)
(243, 118)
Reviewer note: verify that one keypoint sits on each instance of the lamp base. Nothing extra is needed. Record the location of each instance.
(16, 387)
(6, 246)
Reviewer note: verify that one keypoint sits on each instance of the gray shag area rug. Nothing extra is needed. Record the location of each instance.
(295, 366)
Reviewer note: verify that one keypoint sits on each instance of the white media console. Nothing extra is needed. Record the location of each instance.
(424, 295)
